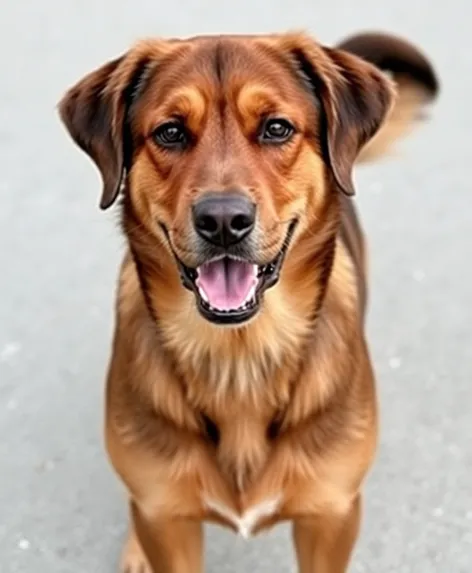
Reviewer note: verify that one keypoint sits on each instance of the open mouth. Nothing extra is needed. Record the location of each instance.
(229, 289)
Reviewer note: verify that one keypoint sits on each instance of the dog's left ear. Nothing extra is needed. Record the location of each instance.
(355, 96)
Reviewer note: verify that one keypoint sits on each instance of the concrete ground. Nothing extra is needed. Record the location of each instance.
(61, 508)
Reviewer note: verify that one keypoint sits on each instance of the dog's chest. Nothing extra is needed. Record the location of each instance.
(243, 453)
(240, 401)
(243, 446)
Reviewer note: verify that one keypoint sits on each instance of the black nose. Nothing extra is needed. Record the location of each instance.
(224, 218)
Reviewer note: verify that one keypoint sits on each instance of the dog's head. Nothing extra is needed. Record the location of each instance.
(228, 149)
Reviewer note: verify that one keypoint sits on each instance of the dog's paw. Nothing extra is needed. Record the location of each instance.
(133, 559)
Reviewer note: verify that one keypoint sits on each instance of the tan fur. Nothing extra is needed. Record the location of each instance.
(275, 419)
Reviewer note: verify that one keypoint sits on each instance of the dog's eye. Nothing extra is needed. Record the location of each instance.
(276, 131)
(171, 134)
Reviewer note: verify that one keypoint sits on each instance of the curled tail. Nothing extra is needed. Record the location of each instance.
(415, 78)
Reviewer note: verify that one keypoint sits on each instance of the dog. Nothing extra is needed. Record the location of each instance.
(240, 389)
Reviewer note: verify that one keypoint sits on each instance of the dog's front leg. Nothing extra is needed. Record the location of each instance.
(324, 544)
(168, 505)
(320, 495)
(170, 545)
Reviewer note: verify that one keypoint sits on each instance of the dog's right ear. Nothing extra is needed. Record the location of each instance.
(355, 96)
(94, 112)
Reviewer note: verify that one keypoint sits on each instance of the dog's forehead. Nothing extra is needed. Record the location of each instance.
(222, 62)
(223, 56)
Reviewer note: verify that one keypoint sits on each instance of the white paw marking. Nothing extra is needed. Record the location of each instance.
(246, 523)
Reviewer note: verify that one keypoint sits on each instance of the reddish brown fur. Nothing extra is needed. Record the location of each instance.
(280, 409)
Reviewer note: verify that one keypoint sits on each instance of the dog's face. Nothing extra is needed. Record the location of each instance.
(231, 148)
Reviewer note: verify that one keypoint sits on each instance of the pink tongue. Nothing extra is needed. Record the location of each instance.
(225, 284)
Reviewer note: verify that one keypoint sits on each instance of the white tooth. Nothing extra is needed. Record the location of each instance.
(250, 295)
(203, 294)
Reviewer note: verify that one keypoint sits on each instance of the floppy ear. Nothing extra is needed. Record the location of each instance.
(356, 98)
(94, 112)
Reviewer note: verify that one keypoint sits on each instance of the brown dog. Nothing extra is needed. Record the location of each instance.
(240, 389)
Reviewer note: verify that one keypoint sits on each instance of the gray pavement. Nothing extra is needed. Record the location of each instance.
(61, 508)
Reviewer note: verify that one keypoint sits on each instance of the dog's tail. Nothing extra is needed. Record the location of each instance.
(415, 78)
